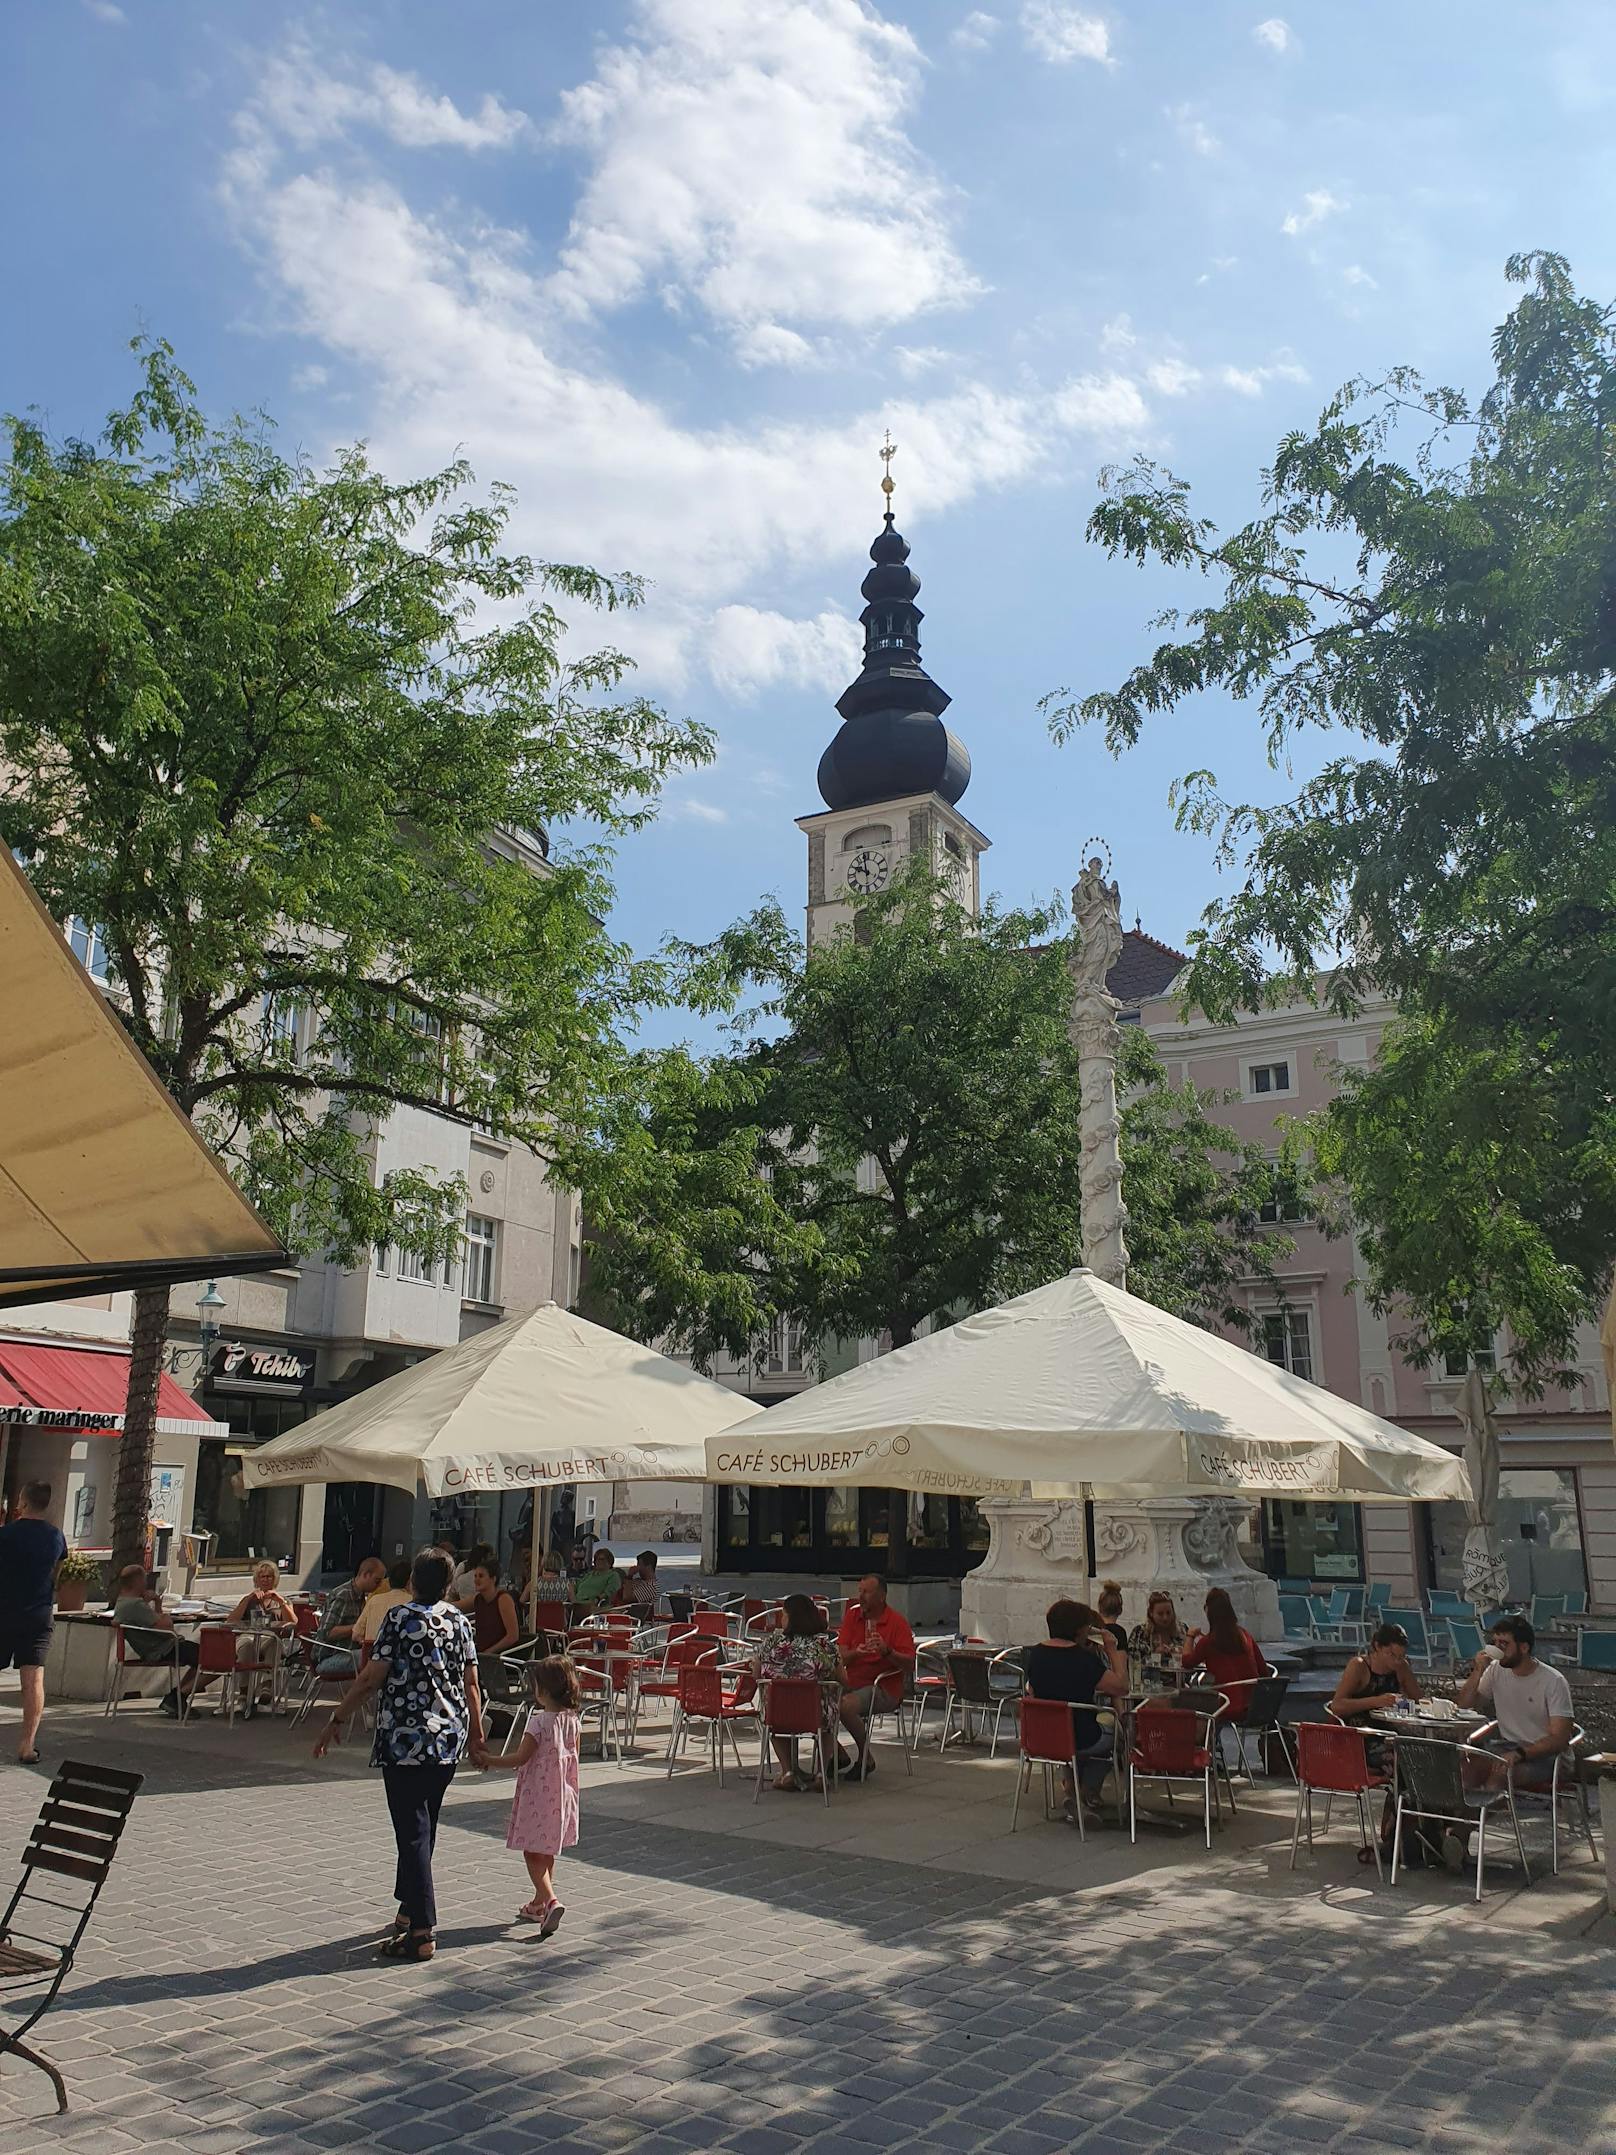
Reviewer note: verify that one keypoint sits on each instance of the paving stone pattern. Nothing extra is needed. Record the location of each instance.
(709, 1992)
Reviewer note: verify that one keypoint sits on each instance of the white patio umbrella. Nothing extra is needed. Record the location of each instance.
(1484, 1576)
(535, 1401)
(1080, 1388)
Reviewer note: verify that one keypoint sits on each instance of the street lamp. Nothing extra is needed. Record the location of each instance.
(208, 1305)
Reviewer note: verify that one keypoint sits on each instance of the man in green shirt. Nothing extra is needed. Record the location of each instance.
(598, 1586)
(149, 1634)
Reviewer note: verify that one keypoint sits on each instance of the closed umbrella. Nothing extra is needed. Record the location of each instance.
(1484, 1576)
(1080, 1388)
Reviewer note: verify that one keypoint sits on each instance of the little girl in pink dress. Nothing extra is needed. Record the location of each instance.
(544, 1814)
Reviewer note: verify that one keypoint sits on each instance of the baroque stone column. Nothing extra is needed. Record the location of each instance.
(1038, 1551)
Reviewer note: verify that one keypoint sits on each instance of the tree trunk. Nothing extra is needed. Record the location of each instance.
(131, 1509)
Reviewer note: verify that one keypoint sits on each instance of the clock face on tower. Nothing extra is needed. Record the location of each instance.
(868, 871)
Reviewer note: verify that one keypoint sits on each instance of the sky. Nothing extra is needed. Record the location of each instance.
(673, 267)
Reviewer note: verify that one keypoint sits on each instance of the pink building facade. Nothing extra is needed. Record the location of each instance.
(1558, 1486)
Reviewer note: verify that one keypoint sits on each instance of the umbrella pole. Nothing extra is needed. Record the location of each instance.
(540, 1539)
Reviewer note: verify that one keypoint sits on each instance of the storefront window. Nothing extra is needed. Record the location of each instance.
(245, 1523)
(928, 1522)
(973, 1526)
(1539, 1532)
(842, 1518)
(737, 1515)
(784, 1518)
(1311, 1541)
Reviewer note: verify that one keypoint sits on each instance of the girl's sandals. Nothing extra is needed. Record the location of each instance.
(408, 1944)
(787, 1783)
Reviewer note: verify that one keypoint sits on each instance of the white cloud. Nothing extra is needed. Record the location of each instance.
(750, 648)
(976, 32)
(1317, 204)
(106, 11)
(1355, 273)
(1193, 131)
(913, 360)
(1252, 381)
(311, 377)
(1172, 377)
(1060, 33)
(308, 99)
(687, 808)
(444, 331)
(750, 155)
(1275, 33)
(767, 344)
(1118, 336)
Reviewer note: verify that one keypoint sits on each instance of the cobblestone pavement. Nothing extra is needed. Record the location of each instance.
(721, 1982)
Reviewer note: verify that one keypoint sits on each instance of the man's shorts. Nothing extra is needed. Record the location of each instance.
(23, 1646)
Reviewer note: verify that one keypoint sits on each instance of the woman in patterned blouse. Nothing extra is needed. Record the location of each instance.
(424, 1665)
(1156, 1647)
(802, 1647)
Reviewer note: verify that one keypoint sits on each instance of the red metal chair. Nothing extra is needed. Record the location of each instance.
(930, 1682)
(1172, 1743)
(658, 1678)
(794, 1706)
(599, 1701)
(703, 1695)
(305, 1619)
(711, 1623)
(1334, 1761)
(123, 1661)
(218, 1654)
(1046, 1736)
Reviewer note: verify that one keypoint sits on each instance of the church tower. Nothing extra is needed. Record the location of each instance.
(893, 776)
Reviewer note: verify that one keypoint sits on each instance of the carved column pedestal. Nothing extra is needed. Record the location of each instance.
(1183, 1546)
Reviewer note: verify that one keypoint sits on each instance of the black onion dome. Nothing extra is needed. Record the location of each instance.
(893, 740)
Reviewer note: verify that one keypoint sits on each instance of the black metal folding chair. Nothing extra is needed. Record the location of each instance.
(74, 1840)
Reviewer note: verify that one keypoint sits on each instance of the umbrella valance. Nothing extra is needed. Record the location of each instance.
(103, 1182)
(1081, 1388)
(538, 1400)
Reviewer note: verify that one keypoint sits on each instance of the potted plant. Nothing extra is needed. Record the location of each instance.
(78, 1573)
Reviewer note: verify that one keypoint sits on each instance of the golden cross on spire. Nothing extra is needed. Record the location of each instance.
(887, 453)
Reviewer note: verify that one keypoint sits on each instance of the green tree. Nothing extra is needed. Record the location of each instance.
(285, 737)
(1479, 1193)
(1436, 576)
(893, 1141)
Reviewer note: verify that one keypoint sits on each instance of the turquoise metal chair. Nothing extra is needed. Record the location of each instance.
(1547, 1610)
(1375, 1599)
(1466, 1640)
(1413, 1622)
(1596, 1650)
(1441, 1603)
(1576, 1604)
(1345, 1613)
(1296, 1614)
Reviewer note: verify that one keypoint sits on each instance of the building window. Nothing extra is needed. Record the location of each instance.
(1539, 1532)
(413, 1266)
(1287, 1338)
(1269, 1078)
(1461, 1364)
(89, 946)
(384, 1259)
(1285, 1206)
(480, 1270)
(278, 1024)
(1306, 1542)
(782, 1350)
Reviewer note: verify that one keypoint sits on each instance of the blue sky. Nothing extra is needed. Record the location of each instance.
(672, 266)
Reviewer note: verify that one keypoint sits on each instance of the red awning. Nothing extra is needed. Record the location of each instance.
(85, 1387)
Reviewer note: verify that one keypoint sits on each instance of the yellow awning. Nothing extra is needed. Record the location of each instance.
(103, 1182)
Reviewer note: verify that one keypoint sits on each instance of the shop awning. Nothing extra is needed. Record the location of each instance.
(84, 1388)
(103, 1182)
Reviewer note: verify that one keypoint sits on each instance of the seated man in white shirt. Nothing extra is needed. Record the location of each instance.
(1531, 1707)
